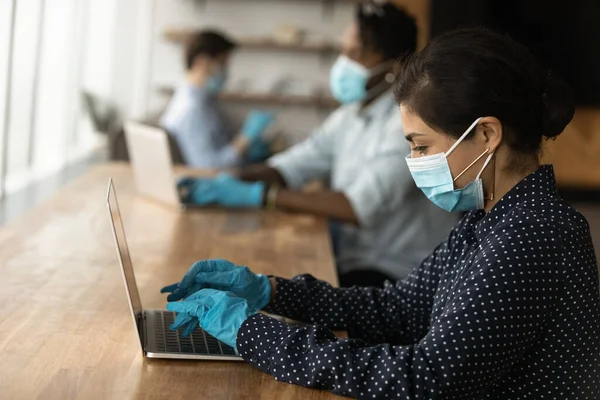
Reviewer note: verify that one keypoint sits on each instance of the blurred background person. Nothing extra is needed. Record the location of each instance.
(386, 225)
(194, 118)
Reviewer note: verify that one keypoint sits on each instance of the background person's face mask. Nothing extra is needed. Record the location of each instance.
(348, 79)
(216, 82)
(432, 175)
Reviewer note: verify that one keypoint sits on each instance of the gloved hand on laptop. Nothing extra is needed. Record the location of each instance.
(221, 314)
(223, 190)
(256, 124)
(222, 275)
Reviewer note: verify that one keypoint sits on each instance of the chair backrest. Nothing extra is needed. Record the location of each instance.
(103, 114)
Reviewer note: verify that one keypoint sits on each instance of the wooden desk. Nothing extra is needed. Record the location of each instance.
(65, 328)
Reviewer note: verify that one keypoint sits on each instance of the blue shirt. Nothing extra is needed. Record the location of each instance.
(200, 129)
(506, 308)
(362, 154)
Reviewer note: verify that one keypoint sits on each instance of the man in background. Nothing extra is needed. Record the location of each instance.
(194, 118)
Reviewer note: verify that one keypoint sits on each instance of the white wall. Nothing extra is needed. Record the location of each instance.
(100, 50)
(125, 43)
(259, 69)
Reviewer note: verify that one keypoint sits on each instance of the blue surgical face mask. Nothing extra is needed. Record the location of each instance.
(348, 80)
(216, 82)
(432, 175)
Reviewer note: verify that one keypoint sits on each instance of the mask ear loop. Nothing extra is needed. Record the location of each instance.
(388, 80)
(485, 164)
(464, 135)
(473, 163)
(494, 181)
(380, 68)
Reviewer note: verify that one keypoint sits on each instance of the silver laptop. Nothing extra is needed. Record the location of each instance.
(150, 157)
(152, 326)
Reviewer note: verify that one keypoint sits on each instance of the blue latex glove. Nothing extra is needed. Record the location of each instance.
(221, 314)
(258, 151)
(224, 190)
(256, 123)
(222, 275)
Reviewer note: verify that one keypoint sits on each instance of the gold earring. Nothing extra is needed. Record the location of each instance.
(491, 197)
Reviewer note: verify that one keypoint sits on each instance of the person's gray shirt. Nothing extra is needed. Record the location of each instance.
(200, 129)
(362, 153)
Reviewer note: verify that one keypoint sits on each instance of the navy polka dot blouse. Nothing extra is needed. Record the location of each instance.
(507, 308)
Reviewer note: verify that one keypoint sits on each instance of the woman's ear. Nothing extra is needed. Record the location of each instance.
(491, 130)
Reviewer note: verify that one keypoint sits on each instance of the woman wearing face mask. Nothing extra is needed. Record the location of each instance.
(386, 225)
(506, 308)
(194, 118)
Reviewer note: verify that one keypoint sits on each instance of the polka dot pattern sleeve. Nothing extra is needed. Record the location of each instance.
(515, 314)
(398, 313)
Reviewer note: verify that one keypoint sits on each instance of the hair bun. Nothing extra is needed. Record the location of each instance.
(557, 106)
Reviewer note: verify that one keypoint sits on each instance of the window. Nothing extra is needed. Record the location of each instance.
(44, 45)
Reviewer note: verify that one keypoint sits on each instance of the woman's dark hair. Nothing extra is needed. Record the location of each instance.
(386, 28)
(471, 73)
(208, 43)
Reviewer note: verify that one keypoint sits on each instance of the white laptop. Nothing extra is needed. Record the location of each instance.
(150, 157)
(152, 326)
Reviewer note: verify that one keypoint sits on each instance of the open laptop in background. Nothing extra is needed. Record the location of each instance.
(150, 157)
(152, 326)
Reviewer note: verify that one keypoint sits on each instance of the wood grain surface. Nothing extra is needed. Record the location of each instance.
(65, 328)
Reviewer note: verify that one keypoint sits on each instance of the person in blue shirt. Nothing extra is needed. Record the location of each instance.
(194, 118)
(507, 307)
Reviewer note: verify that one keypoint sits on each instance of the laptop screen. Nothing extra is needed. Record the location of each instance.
(151, 161)
(123, 251)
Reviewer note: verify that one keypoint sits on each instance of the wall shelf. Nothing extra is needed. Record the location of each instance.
(314, 1)
(272, 99)
(181, 36)
(326, 5)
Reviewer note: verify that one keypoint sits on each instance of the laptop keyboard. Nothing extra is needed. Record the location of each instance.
(199, 342)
